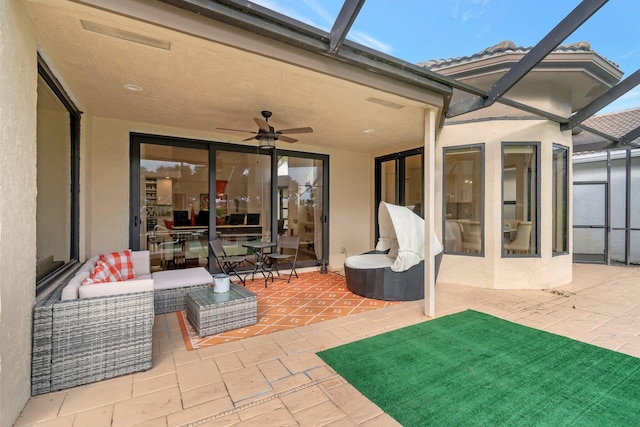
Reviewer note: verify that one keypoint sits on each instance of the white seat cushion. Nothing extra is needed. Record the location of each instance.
(179, 278)
(141, 263)
(115, 288)
(70, 291)
(369, 261)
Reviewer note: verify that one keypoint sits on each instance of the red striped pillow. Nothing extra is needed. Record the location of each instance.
(122, 262)
(103, 272)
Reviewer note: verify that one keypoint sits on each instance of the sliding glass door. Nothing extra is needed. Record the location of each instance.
(399, 179)
(242, 198)
(301, 203)
(174, 205)
(186, 192)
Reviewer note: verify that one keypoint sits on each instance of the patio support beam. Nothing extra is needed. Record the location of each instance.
(600, 134)
(627, 138)
(568, 25)
(603, 100)
(343, 23)
(429, 211)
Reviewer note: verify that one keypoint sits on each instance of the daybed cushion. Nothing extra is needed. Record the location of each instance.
(170, 279)
(115, 288)
(367, 261)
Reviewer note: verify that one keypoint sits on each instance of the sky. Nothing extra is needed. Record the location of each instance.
(421, 30)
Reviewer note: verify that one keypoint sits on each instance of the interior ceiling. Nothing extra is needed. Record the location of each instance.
(201, 85)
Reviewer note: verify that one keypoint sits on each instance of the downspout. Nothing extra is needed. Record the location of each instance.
(429, 211)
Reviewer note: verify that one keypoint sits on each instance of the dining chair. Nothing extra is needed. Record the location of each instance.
(471, 236)
(520, 243)
(453, 236)
(163, 242)
(287, 251)
(228, 264)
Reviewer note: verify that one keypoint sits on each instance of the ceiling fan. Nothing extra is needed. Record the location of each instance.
(267, 135)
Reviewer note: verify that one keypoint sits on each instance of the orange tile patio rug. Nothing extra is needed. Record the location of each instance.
(312, 298)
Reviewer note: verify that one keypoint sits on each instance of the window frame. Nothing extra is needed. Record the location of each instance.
(400, 170)
(538, 211)
(565, 186)
(47, 75)
(481, 149)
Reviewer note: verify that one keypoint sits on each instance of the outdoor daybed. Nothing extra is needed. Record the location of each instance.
(394, 271)
(87, 332)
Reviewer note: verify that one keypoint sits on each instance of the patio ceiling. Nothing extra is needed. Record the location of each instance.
(191, 82)
(202, 76)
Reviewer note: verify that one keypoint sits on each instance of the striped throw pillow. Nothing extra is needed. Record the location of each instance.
(122, 262)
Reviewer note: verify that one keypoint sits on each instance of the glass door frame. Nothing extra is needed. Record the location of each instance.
(324, 215)
(589, 258)
(400, 170)
(136, 139)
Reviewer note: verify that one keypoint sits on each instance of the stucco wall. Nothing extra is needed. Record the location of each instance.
(492, 270)
(18, 83)
(106, 168)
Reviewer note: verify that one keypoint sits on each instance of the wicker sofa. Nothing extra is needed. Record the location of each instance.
(171, 287)
(87, 333)
(88, 339)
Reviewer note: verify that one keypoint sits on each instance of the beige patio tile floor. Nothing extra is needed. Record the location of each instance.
(277, 380)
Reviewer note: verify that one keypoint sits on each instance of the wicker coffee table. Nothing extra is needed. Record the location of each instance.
(212, 313)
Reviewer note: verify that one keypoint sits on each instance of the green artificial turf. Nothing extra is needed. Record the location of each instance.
(473, 369)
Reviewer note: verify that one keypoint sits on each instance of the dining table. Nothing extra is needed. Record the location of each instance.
(259, 249)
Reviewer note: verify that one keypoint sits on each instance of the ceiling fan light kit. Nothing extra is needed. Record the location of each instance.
(267, 135)
(266, 143)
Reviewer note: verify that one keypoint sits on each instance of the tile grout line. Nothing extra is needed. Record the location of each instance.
(261, 401)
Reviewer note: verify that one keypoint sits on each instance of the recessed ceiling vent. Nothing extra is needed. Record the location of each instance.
(384, 103)
(125, 35)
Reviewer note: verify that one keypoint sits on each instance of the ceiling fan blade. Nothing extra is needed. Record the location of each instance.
(238, 130)
(262, 124)
(250, 138)
(296, 130)
(286, 138)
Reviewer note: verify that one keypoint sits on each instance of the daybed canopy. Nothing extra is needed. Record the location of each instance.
(402, 233)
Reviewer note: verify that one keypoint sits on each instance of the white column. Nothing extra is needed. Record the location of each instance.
(429, 211)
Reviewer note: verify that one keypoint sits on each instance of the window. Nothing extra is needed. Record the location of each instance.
(559, 202)
(57, 226)
(520, 198)
(463, 198)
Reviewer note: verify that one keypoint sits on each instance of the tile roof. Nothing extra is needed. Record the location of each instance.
(504, 47)
(615, 124)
